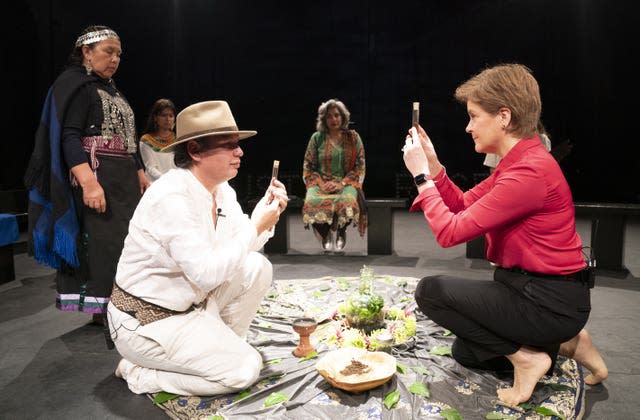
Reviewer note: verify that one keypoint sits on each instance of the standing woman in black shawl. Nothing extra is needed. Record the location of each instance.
(85, 176)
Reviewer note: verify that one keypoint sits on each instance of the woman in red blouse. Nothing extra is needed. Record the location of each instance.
(539, 299)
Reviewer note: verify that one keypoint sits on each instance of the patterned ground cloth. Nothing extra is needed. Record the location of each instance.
(453, 389)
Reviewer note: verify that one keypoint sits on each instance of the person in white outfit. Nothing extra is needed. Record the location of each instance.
(158, 134)
(189, 283)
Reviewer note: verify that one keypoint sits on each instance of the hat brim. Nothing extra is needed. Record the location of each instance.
(242, 134)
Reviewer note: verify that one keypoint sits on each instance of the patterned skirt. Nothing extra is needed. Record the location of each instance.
(338, 210)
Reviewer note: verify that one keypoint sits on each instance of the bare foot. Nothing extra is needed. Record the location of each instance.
(528, 367)
(581, 349)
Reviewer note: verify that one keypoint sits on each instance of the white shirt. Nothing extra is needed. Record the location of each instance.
(156, 163)
(173, 255)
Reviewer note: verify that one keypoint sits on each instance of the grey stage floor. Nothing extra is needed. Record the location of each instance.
(55, 365)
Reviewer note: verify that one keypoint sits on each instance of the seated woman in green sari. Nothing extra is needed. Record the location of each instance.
(333, 173)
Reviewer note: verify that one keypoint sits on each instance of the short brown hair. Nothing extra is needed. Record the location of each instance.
(509, 86)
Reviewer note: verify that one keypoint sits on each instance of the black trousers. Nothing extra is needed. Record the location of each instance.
(492, 319)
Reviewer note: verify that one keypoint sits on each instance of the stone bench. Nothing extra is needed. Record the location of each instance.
(8, 235)
(608, 222)
(13, 220)
(15, 202)
(379, 231)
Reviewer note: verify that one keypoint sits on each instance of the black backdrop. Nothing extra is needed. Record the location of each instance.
(276, 61)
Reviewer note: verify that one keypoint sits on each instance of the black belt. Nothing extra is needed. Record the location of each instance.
(585, 275)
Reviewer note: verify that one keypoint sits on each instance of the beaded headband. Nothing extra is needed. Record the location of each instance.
(96, 36)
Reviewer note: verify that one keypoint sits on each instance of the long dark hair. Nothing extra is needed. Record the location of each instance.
(158, 106)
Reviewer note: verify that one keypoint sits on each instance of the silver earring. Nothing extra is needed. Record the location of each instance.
(89, 68)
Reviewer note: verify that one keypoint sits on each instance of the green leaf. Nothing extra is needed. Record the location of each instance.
(547, 412)
(526, 406)
(242, 395)
(447, 333)
(273, 362)
(559, 387)
(317, 294)
(441, 351)
(272, 294)
(311, 355)
(216, 417)
(265, 324)
(419, 388)
(162, 397)
(451, 414)
(273, 378)
(421, 370)
(343, 284)
(275, 398)
(401, 368)
(500, 416)
(391, 399)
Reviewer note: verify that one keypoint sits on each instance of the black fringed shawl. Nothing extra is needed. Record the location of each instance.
(53, 222)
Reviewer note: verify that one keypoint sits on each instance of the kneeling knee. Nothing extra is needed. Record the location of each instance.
(428, 287)
(428, 292)
(262, 270)
(247, 372)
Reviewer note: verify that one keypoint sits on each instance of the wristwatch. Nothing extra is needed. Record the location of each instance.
(419, 179)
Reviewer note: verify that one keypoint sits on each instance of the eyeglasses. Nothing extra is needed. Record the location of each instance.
(230, 145)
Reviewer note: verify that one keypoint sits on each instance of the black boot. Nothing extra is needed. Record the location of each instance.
(322, 232)
(341, 238)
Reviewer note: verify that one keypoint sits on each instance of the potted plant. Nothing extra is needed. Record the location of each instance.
(363, 308)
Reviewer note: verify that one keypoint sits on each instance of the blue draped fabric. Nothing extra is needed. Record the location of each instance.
(53, 222)
(54, 238)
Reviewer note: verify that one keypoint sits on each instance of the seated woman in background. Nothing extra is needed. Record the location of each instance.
(158, 133)
(333, 173)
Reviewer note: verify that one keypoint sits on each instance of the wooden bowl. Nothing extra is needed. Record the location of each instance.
(332, 365)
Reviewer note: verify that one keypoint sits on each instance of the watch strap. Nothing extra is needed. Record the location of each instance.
(419, 179)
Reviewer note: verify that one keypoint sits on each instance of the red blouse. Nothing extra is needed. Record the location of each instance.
(525, 209)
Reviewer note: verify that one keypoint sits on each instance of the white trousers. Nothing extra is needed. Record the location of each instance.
(203, 352)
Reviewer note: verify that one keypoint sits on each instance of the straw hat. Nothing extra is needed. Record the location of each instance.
(210, 118)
